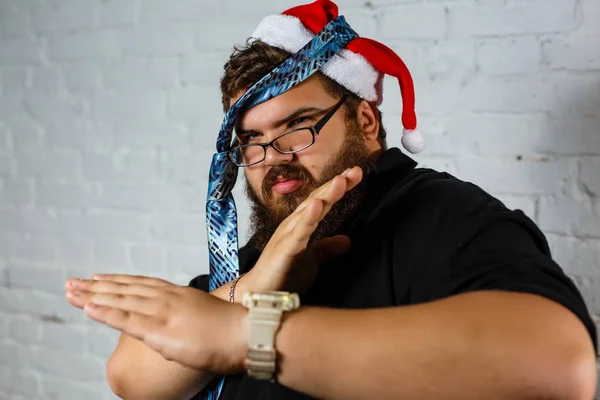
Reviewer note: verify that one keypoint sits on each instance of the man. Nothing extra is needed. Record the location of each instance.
(426, 286)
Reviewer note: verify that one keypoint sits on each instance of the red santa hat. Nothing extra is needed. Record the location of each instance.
(359, 67)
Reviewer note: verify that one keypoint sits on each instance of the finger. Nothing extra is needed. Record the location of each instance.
(126, 302)
(133, 324)
(100, 286)
(123, 278)
(331, 247)
(334, 189)
(75, 298)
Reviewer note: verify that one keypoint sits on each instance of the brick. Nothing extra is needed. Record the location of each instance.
(191, 198)
(139, 167)
(515, 94)
(45, 306)
(102, 341)
(24, 330)
(206, 41)
(450, 61)
(183, 10)
(498, 18)
(147, 198)
(203, 69)
(196, 101)
(527, 204)
(501, 176)
(47, 278)
(180, 229)
(118, 13)
(365, 21)
(14, 355)
(7, 165)
(147, 257)
(569, 135)
(16, 194)
(439, 98)
(62, 196)
(490, 134)
(26, 383)
(156, 73)
(48, 166)
(589, 177)
(30, 248)
(568, 216)
(81, 45)
(29, 221)
(129, 105)
(589, 26)
(20, 51)
(61, 364)
(53, 108)
(63, 15)
(79, 135)
(46, 80)
(69, 388)
(74, 251)
(15, 80)
(192, 261)
(141, 134)
(27, 135)
(64, 337)
(190, 168)
(158, 40)
(573, 53)
(578, 257)
(14, 21)
(116, 225)
(81, 76)
(5, 137)
(509, 56)
(423, 21)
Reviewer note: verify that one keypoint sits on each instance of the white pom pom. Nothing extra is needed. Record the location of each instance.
(413, 141)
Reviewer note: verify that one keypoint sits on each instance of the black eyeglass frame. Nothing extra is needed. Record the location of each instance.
(314, 130)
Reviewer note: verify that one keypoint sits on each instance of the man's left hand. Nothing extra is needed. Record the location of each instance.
(181, 323)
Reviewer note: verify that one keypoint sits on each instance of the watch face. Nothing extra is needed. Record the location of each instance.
(284, 300)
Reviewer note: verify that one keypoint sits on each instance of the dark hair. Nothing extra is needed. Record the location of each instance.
(251, 62)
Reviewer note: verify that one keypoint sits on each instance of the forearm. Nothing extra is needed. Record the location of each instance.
(488, 345)
(135, 371)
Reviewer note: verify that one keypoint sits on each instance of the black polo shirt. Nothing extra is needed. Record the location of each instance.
(424, 235)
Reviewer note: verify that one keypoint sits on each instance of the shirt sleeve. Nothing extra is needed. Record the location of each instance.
(200, 282)
(492, 248)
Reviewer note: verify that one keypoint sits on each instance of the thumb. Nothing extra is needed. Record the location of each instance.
(330, 247)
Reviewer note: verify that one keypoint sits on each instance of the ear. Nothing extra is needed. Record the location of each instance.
(368, 120)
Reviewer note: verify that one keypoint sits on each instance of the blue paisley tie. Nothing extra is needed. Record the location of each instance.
(221, 217)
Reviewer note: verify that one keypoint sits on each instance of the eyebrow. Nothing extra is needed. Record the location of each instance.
(288, 118)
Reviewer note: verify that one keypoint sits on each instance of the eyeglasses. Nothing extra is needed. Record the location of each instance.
(288, 143)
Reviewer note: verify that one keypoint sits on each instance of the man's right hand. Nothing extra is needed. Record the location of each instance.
(288, 262)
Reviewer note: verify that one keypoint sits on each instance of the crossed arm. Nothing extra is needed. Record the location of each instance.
(480, 345)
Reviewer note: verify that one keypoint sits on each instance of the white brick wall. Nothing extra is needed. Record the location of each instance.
(109, 110)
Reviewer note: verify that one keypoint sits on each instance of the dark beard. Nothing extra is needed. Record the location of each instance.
(265, 219)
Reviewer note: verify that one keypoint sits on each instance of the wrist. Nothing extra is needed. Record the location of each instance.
(240, 340)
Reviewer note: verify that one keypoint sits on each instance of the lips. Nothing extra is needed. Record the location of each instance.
(286, 186)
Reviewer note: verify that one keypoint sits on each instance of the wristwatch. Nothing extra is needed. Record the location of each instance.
(266, 309)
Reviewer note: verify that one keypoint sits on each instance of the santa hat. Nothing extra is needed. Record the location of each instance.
(359, 68)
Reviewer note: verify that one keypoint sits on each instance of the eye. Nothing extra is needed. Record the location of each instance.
(251, 136)
(299, 121)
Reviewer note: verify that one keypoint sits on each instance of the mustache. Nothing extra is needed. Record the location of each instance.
(288, 171)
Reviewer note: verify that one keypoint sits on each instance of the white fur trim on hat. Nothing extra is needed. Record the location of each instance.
(349, 69)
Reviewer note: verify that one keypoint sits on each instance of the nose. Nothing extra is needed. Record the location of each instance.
(273, 157)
